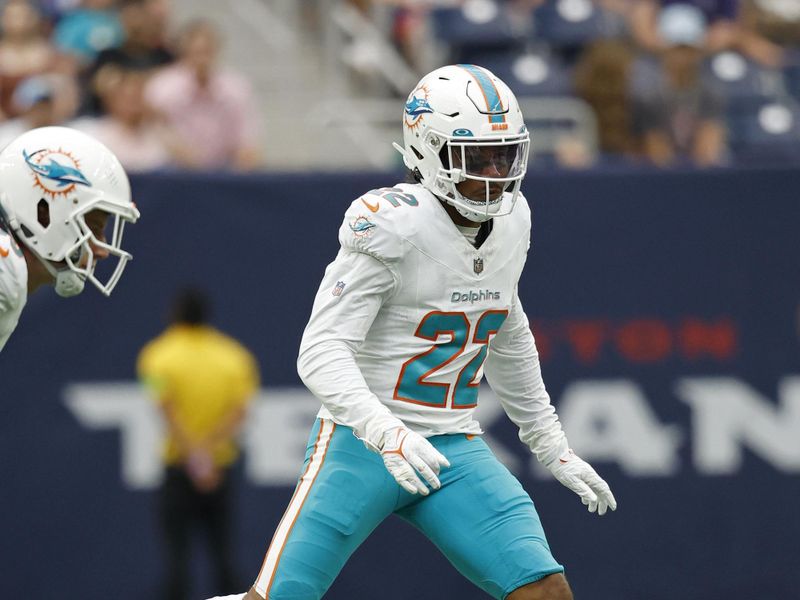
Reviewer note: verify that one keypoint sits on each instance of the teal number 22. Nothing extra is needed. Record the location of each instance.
(412, 385)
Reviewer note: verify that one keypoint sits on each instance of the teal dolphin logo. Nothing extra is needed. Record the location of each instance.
(362, 227)
(64, 175)
(418, 106)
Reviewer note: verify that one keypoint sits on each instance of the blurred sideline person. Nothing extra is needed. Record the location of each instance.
(419, 303)
(203, 381)
(60, 192)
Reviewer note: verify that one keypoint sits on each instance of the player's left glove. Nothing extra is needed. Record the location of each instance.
(581, 478)
(407, 455)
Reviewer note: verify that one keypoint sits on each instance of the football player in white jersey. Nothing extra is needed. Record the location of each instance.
(421, 302)
(60, 192)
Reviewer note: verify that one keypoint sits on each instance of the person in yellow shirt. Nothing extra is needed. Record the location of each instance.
(202, 381)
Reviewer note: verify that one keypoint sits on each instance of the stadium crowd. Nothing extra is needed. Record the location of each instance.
(669, 82)
(663, 82)
(114, 69)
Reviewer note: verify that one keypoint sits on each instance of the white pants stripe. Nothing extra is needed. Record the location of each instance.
(301, 492)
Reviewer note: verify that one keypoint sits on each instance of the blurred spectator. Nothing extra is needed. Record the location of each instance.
(210, 109)
(410, 33)
(88, 30)
(776, 20)
(411, 30)
(129, 128)
(203, 381)
(36, 102)
(724, 30)
(144, 49)
(24, 49)
(601, 79)
(679, 119)
(54, 10)
(143, 23)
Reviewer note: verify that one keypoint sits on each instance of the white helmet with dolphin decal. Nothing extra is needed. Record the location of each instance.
(462, 123)
(50, 179)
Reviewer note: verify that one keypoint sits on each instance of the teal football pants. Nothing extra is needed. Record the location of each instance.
(481, 518)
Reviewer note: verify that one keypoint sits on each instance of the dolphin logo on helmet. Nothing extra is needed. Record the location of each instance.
(64, 175)
(418, 106)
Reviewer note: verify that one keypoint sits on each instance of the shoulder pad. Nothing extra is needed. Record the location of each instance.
(379, 222)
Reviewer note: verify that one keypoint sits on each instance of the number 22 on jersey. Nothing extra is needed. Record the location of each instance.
(413, 384)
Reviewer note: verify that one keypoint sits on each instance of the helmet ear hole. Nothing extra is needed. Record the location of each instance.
(417, 153)
(43, 213)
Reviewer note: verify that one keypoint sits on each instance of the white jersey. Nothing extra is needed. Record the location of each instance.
(410, 315)
(13, 285)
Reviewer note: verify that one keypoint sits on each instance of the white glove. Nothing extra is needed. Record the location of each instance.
(581, 478)
(407, 455)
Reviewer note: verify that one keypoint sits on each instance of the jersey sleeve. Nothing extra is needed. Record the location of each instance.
(352, 292)
(13, 288)
(7, 305)
(9, 297)
(372, 228)
(512, 369)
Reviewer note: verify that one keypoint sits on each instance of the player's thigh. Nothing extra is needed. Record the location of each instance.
(484, 521)
(340, 498)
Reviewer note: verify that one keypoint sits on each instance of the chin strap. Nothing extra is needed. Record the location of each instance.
(67, 282)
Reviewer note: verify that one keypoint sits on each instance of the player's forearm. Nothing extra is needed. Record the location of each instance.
(330, 371)
(512, 369)
(519, 387)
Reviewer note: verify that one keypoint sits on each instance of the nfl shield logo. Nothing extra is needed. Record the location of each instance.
(477, 265)
(337, 291)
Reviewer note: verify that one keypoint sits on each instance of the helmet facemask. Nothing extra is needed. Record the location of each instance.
(81, 262)
(495, 166)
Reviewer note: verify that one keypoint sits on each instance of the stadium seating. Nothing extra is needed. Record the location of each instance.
(531, 73)
(478, 26)
(791, 73)
(743, 83)
(766, 134)
(569, 25)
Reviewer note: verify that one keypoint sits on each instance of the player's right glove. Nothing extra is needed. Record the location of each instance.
(407, 455)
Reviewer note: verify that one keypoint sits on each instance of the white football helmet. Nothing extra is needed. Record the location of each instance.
(463, 123)
(50, 179)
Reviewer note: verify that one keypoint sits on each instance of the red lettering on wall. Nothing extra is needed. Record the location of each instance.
(698, 339)
(639, 340)
(644, 340)
(586, 339)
